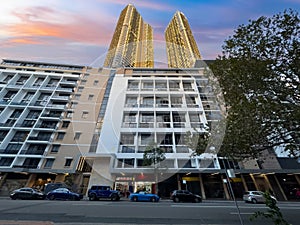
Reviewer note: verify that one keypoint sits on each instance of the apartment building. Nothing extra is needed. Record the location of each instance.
(48, 115)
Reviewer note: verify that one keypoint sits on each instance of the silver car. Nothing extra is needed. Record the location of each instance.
(256, 197)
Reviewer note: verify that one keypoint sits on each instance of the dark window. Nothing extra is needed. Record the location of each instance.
(68, 162)
(6, 161)
(49, 163)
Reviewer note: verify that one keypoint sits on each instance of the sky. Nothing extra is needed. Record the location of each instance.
(79, 31)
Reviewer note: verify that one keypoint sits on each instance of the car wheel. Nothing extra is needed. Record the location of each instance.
(51, 197)
(152, 199)
(135, 199)
(13, 197)
(176, 199)
(92, 197)
(254, 201)
(114, 198)
(197, 200)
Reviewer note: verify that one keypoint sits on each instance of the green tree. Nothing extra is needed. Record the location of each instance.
(272, 213)
(259, 75)
(153, 155)
(197, 141)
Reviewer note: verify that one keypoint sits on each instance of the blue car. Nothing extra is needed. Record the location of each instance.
(63, 194)
(143, 197)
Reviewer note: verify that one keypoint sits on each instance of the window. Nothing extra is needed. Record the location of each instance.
(65, 124)
(147, 139)
(38, 82)
(70, 114)
(22, 80)
(90, 97)
(77, 135)
(68, 162)
(3, 133)
(77, 97)
(80, 89)
(49, 163)
(84, 115)
(4, 161)
(127, 139)
(83, 82)
(60, 136)
(96, 82)
(9, 96)
(55, 148)
(20, 136)
(74, 105)
(27, 97)
(33, 114)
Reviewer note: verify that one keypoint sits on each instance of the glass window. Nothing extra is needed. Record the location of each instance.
(96, 82)
(90, 97)
(68, 162)
(65, 124)
(60, 136)
(77, 135)
(84, 115)
(49, 163)
(55, 148)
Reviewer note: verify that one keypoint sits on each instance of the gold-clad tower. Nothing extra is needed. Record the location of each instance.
(182, 50)
(132, 42)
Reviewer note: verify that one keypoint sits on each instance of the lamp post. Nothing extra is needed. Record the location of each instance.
(230, 174)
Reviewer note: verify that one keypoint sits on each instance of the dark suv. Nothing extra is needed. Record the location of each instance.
(97, 192)
(185, 196)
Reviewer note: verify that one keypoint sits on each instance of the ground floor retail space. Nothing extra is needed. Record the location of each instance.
(212, 185)
(217, 185)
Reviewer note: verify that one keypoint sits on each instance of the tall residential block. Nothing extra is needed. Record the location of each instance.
(182, 50)
(132, 42)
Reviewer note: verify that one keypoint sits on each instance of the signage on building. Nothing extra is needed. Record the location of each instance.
(191, 178)
(124, 178)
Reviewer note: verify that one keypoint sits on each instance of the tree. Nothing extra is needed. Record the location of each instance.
(197, 141)
(153, 155)
(259, 75)
(272, 213)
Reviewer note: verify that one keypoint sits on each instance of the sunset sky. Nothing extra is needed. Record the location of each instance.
(79, 31)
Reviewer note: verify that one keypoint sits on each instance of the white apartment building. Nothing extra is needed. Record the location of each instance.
(153, 106)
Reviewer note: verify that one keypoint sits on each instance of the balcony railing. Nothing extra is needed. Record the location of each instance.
(10, 151)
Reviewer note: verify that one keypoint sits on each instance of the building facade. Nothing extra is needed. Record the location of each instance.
(48, 113)
(182, 49)
(85, 126)
(132, 42)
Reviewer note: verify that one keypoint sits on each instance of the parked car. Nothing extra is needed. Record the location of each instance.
(143, 197)
(52, 186)
(97, 192)
(185, 196)
(27, 193)
(256, 197)
(63, 194)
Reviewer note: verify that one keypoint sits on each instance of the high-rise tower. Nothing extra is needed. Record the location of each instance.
(182, 49)
(132, 42)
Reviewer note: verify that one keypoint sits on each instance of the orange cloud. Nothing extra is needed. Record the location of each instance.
(73, 28)
(23, 41)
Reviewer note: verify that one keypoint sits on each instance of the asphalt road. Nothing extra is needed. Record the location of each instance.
(46, 212)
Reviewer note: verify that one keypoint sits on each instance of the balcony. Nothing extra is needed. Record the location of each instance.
(129, 125)
(69, 82)
(127, 149)
(47, 139)
(26, 166)
(146, 125)
(163, 125)
(9, 151)
(60, 98)
(32, 152)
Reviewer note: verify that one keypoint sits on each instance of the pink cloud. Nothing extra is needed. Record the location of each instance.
(73, 28)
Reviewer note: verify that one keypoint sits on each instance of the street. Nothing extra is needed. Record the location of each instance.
(124, 212)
